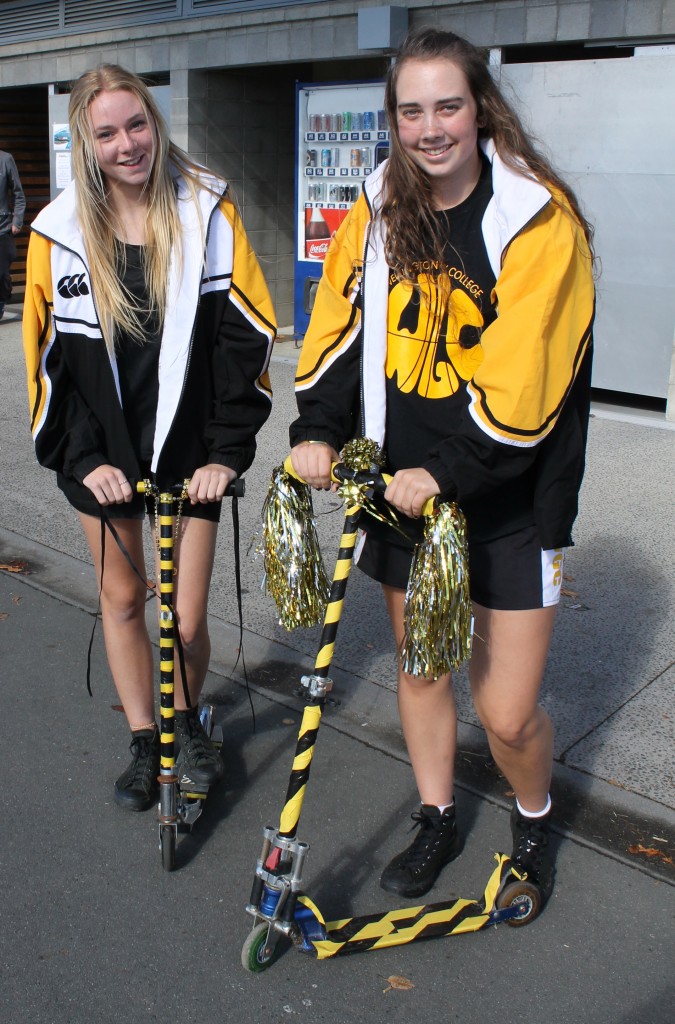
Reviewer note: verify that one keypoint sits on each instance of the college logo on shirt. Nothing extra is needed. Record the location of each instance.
(72, 286)
(432, 346)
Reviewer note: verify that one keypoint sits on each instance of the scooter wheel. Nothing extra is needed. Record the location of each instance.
(167, 844)
(253, 955)
(520, 894)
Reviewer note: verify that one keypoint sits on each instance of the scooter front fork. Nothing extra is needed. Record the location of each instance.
(277, 883)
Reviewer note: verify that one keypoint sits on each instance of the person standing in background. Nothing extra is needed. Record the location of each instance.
(12, 209)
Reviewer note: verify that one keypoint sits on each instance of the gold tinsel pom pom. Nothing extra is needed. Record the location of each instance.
(437, 612)
(294, 571)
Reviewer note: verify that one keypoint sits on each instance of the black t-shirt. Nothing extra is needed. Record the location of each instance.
(433, 348)
(138, 362)
(431, 355)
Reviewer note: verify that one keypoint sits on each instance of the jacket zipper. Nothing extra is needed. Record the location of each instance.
(192, 331)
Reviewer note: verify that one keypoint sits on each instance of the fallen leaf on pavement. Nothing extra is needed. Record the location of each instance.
(650, 851)
(15, 566)
(397, 982)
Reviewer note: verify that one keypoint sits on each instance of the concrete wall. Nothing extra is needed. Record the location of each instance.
(232, 79)
(240, 123)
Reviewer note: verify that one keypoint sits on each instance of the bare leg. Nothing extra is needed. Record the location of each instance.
(507, 666)
(123, 615)
(428, 718)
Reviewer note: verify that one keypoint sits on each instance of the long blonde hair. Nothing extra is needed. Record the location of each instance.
(411, 225)
(100, 228)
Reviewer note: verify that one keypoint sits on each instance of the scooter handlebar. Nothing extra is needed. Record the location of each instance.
(377, 482)
(235, 489)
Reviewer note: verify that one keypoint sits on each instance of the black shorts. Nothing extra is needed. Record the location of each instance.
(510, 573)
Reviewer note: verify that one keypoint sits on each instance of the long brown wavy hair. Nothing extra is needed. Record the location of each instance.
(411, 226)
(116, 307)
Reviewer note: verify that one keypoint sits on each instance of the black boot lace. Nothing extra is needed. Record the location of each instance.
(196, 745)
(141, 748)
(531, 842)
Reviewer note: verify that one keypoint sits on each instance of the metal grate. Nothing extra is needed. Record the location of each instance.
(221, 6)
(35, 19)
(101, 12)
(29, 17)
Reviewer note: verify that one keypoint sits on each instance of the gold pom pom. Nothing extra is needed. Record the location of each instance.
(362, 454)
(437, 611)
(294, 571)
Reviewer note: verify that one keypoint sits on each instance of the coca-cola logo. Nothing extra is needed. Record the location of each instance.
(317, 250)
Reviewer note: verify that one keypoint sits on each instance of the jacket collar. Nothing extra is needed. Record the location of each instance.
(516, 199)
(59, 220)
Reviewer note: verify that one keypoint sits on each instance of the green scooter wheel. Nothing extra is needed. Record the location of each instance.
(253, 955)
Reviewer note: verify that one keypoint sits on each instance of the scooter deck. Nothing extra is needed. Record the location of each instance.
(401, 926)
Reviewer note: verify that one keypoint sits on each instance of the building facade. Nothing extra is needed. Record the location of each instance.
(590, 76)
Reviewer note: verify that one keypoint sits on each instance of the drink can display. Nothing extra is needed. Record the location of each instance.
(355, 158)
(335, 156)
(325, 157)
(310, 160)
(366, 158)
(346, 121)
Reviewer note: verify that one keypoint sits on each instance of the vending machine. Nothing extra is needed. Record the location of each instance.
(341, 137)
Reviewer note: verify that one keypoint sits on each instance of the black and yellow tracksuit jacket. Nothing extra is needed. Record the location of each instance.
(214, 390)
(524, 409)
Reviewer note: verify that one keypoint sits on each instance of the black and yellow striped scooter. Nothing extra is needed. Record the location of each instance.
(181, 800)
(277, 903)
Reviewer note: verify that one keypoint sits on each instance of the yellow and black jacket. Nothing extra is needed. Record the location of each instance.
(522, 409)
(214, 391)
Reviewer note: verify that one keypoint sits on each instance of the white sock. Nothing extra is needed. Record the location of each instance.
(445, 807)
(535, 814)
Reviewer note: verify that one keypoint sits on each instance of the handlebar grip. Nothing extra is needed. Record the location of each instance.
(377, 481)
(288, 466)
(235, 489)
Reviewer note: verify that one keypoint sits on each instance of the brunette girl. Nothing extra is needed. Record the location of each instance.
(453, 326)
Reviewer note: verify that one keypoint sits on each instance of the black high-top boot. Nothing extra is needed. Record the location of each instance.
(414, 871)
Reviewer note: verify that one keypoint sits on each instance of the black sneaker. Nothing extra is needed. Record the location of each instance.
(414, 871)
(137, 788)
(201, 760)
(531, 850)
